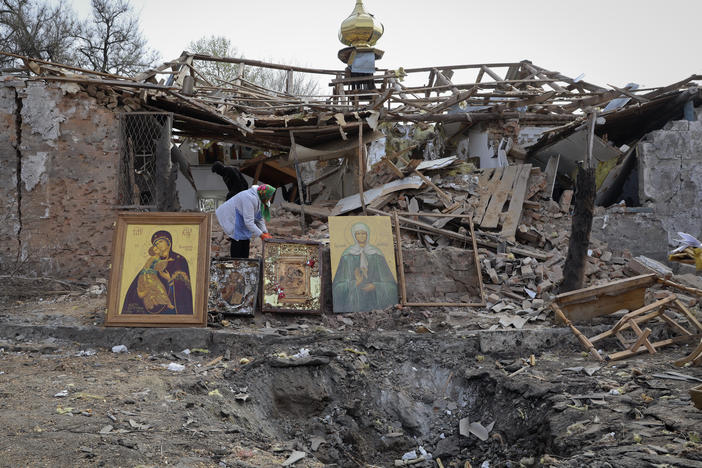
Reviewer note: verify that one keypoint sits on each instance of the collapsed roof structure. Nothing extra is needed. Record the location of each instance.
(246, 113)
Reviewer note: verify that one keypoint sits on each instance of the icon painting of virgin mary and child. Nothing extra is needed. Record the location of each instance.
(162, 286)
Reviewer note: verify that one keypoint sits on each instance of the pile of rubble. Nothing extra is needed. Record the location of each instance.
(520, 275)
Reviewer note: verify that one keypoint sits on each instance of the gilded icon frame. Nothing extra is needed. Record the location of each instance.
(303, 257)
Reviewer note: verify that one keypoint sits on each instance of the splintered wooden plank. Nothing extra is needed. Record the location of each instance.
(497, 202)
(642, 338)
(637, 316)
(583, 339)
(514, 212)
(485, 177)
(674, 325)
(488, 183)
(627, 324)
(551, 172)
(443, 221)
(638, 312)
(604, 305)
(393, 168)
(614, 288)
(657, 344)
(643, 341)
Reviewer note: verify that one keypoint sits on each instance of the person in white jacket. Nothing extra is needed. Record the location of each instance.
(244, 216)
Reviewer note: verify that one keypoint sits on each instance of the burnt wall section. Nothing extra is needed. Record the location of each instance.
(446, 274)
(62, 181)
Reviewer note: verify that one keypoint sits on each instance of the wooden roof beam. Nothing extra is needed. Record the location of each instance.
(258, 63)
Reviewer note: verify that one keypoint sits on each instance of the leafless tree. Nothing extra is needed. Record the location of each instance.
(302, 85)
(226, 73)
(219, 73)
(38, 29)
(112, 41)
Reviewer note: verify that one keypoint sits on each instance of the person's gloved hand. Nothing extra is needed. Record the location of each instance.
(265, 236)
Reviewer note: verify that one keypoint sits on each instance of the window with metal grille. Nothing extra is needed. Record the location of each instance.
(145, 140)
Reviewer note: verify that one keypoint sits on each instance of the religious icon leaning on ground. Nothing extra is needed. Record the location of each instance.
(160, 270)
(363, 279)
(292, 276)
(233, 287)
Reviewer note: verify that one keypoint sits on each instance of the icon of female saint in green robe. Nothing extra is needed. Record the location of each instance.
(363, 280)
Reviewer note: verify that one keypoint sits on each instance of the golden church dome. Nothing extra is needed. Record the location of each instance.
(360, 29)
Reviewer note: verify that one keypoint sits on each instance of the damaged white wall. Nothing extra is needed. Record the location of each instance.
(670, 176)
(670, 188)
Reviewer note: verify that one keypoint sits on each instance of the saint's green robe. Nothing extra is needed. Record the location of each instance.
(351, 298)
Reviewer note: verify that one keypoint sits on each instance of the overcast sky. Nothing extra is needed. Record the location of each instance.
(651, 42)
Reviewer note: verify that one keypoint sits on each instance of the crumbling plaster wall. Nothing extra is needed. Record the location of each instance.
(60, 159)
(670, 176)
(639, 233)
(670, 185)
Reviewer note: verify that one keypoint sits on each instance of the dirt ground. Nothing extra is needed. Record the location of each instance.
(379, 391)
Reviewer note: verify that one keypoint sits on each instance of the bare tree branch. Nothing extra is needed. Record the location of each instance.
(218, 72)
(40, 30)
(109, 42)
(113, 42)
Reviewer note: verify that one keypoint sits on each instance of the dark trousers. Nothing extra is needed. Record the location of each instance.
(239, 248)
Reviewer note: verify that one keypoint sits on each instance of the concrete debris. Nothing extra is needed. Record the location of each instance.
(467, 428)
(294, 457)
(590, 370)
(643, 264)
(315, 442)
(696, 396)
(410, 462)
